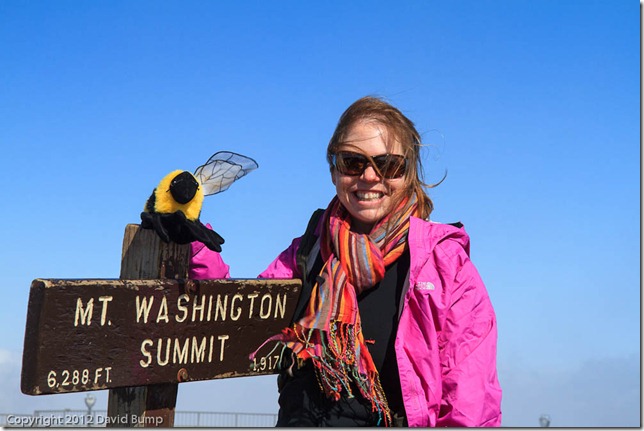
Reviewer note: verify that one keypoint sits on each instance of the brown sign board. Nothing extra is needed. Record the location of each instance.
(95, 334)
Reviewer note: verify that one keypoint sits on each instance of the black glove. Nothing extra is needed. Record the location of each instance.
(177, 228)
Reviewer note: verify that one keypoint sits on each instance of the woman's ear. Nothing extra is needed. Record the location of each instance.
(332, 170)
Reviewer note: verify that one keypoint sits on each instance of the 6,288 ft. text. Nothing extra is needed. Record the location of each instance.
(84, 377)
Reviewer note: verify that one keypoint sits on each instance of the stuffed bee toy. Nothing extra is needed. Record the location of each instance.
(174, 207)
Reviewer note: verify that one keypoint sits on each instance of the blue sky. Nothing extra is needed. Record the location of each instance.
(532, 107)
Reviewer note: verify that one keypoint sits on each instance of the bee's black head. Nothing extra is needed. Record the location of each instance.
(183, 187)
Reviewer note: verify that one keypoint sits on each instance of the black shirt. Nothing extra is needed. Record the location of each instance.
(379, 314)
(379, 310)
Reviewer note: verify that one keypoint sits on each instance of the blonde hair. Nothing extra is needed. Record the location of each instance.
(399, 129)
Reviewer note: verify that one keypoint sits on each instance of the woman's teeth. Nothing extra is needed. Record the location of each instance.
(368, 196)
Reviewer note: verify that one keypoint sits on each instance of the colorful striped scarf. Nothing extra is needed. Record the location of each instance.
(330, 332)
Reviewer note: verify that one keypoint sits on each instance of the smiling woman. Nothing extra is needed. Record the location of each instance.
(368, 184)
(373, 128)
(394, 325)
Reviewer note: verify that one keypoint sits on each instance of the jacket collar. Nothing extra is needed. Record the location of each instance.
(425, 235)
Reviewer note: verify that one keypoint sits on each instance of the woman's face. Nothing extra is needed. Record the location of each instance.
(367, 197)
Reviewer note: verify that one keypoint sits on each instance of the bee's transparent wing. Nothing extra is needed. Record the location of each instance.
(222, 169)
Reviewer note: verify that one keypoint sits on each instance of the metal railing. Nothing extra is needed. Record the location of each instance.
(98, 418)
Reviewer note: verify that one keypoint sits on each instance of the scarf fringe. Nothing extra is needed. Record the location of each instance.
(334, 357)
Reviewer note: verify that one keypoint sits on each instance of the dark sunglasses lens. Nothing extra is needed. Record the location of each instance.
(351, 164)
(392, 166)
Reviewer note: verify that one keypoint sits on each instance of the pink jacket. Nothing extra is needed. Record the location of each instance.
(205, 263)
(446, 339)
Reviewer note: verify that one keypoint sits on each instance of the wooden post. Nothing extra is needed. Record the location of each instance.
(145, 256)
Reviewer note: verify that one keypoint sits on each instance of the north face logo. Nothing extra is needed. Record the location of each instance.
(424, 285)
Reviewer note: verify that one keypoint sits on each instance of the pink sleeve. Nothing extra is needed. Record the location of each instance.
(206, 263)
(284, 266)
(471, 391)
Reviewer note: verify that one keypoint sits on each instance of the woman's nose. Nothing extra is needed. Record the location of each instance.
(370, 174)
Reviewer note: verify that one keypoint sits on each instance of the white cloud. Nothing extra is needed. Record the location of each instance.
(598, 393)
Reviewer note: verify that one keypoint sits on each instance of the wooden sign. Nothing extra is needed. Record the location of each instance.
(98, 334)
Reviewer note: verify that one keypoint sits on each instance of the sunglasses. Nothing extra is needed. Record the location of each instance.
(390, 166)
